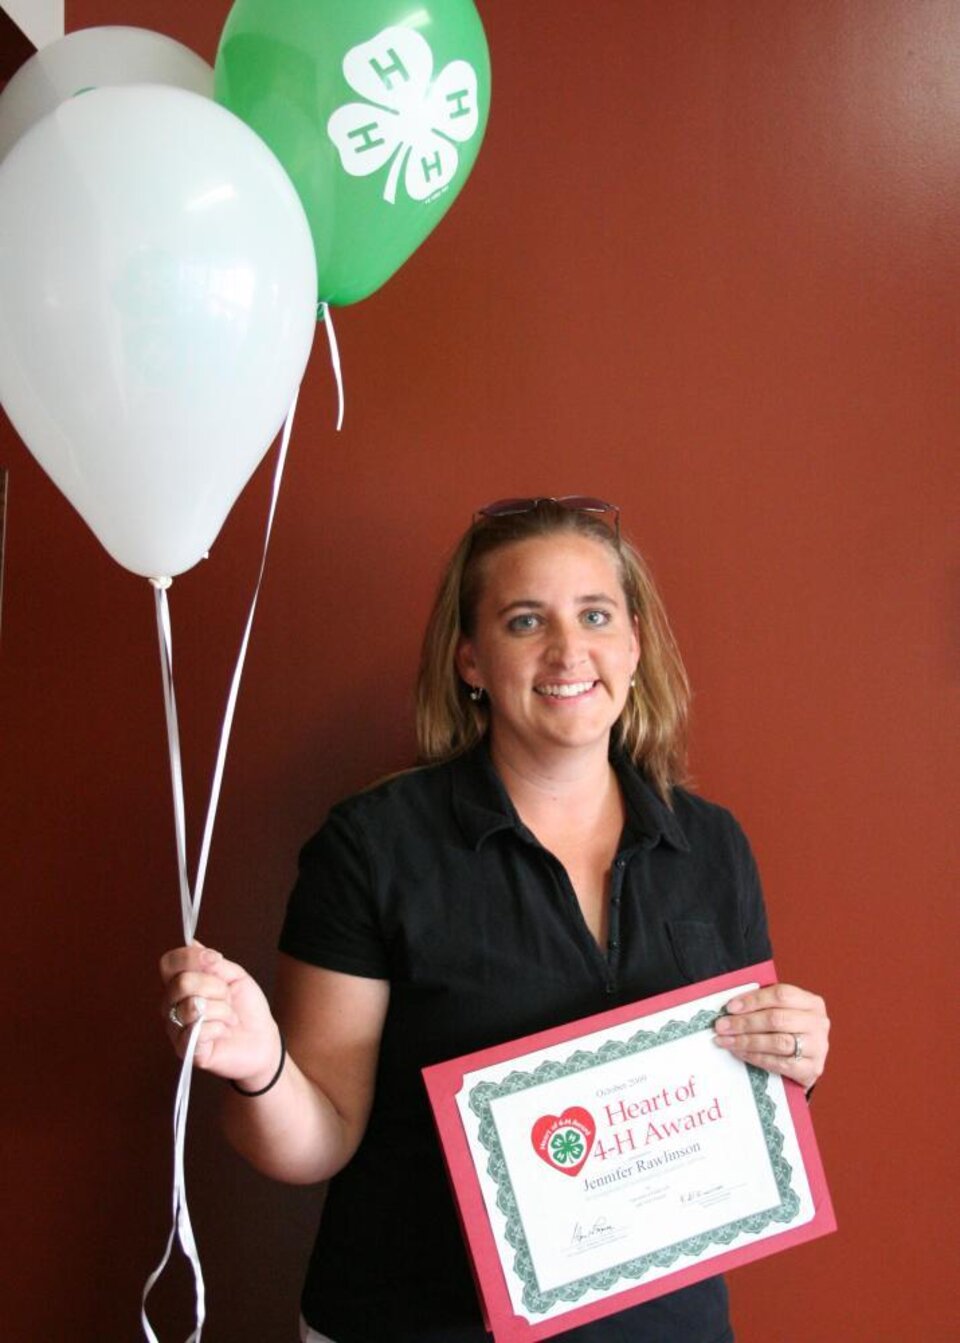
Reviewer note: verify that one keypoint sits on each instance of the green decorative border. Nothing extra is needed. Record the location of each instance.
(481, 1096)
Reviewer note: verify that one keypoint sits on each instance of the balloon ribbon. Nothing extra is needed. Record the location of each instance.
(190, 898)
(326, 317)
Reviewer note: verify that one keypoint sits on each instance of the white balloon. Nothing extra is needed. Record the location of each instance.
(157, 309)
(95, 58)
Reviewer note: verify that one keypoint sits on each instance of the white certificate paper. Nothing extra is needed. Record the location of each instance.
(621, 1157)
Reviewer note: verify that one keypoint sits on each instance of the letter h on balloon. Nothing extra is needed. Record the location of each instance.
(366, 134)
(385, 73)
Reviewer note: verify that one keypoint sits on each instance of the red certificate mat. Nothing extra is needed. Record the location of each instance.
(622, 1156)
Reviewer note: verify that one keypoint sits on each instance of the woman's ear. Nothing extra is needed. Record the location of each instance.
(465, 660)
(636, 643)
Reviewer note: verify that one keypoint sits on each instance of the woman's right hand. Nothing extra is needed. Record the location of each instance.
(238, 1037)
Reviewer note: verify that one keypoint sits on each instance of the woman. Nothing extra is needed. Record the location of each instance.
(546, 864)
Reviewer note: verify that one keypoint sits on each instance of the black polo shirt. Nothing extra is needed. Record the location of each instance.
(430, 880)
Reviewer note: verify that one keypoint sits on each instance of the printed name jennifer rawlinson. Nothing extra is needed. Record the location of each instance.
(640, 1166)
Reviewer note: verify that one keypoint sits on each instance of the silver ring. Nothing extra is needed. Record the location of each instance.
(174, 1016)
(797, 1047)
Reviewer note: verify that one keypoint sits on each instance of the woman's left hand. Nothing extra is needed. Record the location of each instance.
(780, 1028)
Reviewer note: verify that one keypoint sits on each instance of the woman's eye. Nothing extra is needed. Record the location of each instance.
(522, 623)
(596, 618)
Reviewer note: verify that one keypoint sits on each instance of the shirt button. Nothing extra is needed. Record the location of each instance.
(614, 943)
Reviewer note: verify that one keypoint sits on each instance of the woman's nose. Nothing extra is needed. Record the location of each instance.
(565, 648)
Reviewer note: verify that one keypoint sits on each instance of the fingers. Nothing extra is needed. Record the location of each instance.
(781, 1045)
(216, 1015)
(775, 1021)
(781, 1028)
(196, 972)
(186, 1011)
(779, 1009)
(190, 996)
(776, 1053)
(805, 1071)
(195, 958)
(211, 1033)
(784, 996)
(214, 1004)
(197, 984)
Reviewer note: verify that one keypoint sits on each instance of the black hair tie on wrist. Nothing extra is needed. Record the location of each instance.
(242, 1091)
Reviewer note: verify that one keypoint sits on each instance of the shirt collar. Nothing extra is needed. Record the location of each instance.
(649, 819)
(482, 805)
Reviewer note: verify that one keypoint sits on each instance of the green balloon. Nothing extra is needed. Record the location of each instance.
(376, 109)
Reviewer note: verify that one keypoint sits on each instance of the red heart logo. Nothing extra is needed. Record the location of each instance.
(564, 1141)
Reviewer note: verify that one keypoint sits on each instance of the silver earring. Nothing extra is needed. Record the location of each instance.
(476, 693)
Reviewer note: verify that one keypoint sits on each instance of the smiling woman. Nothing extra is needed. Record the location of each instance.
(544, 863)
(554, 647)
(652, 721)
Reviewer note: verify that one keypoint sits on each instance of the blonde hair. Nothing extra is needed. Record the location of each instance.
(652, 729)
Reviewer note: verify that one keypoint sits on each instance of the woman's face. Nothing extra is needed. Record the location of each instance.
(553, 645)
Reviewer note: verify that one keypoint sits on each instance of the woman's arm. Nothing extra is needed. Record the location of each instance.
(307, 1126)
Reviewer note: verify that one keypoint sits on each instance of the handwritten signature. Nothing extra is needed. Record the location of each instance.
(694, 1195)
(584, 1235)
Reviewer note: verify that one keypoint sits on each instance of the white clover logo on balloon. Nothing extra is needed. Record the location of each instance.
(410, 121)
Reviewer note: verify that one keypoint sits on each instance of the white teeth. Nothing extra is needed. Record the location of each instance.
(566, 691)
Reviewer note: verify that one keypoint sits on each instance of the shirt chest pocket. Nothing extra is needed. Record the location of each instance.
(700, 949)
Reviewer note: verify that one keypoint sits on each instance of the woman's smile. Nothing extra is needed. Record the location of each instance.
(562, 690)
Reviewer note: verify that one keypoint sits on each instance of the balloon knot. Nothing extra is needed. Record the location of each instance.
(161, 583)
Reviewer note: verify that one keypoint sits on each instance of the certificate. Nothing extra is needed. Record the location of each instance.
(620, 1157)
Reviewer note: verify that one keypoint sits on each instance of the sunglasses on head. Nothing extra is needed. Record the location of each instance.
(575, 503)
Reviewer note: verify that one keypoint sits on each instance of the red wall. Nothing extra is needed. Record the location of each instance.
(706, 266)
